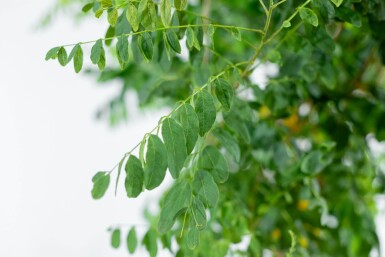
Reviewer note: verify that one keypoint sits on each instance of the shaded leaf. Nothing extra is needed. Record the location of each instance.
(193, 238)
(122, 50)
(199, 214)
(146, 46)
(205, 187)
(190, 37)
(175, 142)
(96, 51)
(62, 56)
(205, 110)
(180, 4)
(150, 242)
(224, 92)
(229, 143)
(190, 124)
(309, 16)
(212, 160)
(236, 33)
(173, 40)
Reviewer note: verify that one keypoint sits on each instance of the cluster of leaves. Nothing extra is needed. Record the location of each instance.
(250, 160)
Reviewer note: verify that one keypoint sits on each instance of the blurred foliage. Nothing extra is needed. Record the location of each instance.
(296, 148)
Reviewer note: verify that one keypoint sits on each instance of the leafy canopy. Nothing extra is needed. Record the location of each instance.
(285, 163)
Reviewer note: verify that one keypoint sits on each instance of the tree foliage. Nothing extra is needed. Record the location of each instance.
(285, 164)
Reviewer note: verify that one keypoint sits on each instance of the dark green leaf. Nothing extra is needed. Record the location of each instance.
(132, 240)
(133, 16)
(110, 33)
(173, 40)
(101, 181)
(78, 58)
(205, 110)
(236, 33)
(146, 46)
(62, 56)
(156, 162)
(212, 160)
(176, 202)
(122, 50)
(180, 4)
(52, 53)
(150, 242)
(224, 92)
(348, 15)
(173, 137)
(134, 177)
(165, 12)
(96, 51)
(87, 7)
(190, 124)
(115, 238)
(205, 187)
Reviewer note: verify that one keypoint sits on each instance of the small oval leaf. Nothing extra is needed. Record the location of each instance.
(134, 177)
(205, 110)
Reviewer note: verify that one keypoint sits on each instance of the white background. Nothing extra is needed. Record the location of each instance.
(50, 144)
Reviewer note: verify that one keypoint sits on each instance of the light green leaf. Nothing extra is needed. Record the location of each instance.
(99, 13)
(205, 187)
(199, 214)
(133, 16)
(190, 124)
(180, 4)
(112, 16)
(173, 40)
(142, 5)
(156, 162)
(229, 143)
(115, 238)
(96, 51)
(101, 181)
(165, 12)
(146, 46)
(286, 24)
(314, 162)
(141, 150)
(52, 53)
(309, 16)
(193, 238)
(150, 242)
(211, 32)
(176, 202)
(122, 51)
(236, 33)
(120, 166)
(134, 177)
(224, 92)
(62, 56)
(337, 2)
(205, 110)
(167, 46)
(190, 36)
(212, 160)
(106, 3)
(132, 240)
(175, 142)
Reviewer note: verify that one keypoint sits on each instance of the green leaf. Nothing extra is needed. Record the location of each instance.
(110, 33)
(205, 110)
(52, 53)
(205, 187)
(286, 24)
(167, 46)
(141, 150)
(62, 56)
(156, 162)
(87, 7)
(212, 160)
(149, 17)
(132, 240)
(106, 3)
(238, 126)
(211, 32)
(314, 162)
(134, 177)
(349, 16)
(112, 16)
(337, 2)
(175, 203)
(190, 36)
(102, 60)
(236, 33)
(150, 242)
(165, 12)
(115, 238)
(190, 124)
(99, 13)
(133, 16)
(193, 238)
(77, 56)
(173, 40)
(142, 5)
(175, 142)
(122, 51)
(180, 4)
(309, 16)
(146, 46)
(96, 51)
(229, 143)
(224, 92)
(101, 181)
(199, 214)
